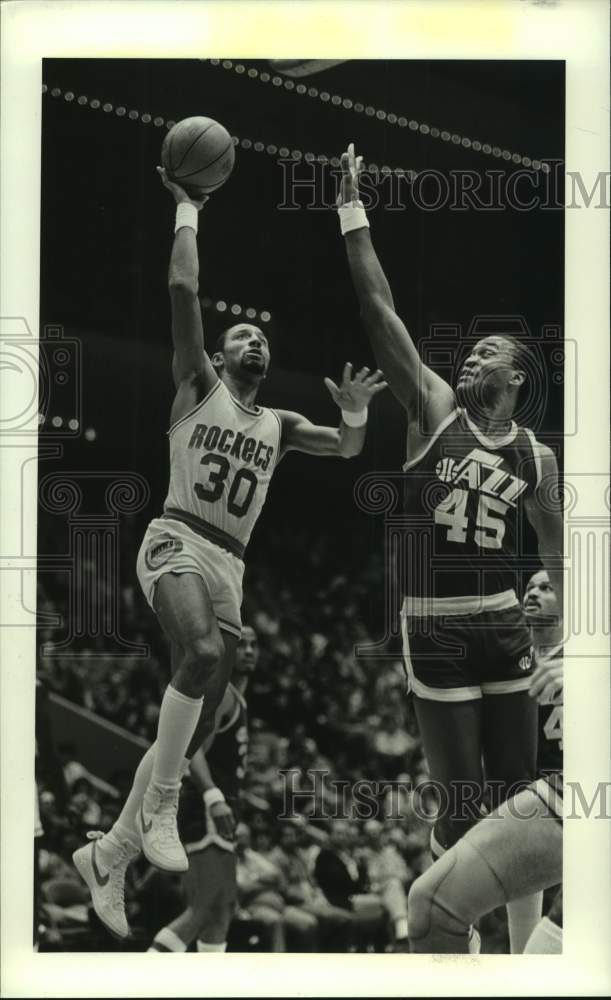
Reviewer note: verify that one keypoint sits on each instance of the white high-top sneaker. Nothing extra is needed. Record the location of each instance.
(156, 823)
(105, 877)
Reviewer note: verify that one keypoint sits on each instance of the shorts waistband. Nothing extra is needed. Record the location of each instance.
(206, 530)
(425, 607)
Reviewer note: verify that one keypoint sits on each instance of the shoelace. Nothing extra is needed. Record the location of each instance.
(166, 811)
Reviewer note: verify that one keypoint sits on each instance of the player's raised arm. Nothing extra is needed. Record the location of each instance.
(415, 385)
(544, 511)
(190, 359)
(353, 396)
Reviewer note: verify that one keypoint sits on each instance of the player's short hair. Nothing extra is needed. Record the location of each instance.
(519, 350)
(220, 341)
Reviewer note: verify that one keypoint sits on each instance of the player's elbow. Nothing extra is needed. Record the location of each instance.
(182, 287)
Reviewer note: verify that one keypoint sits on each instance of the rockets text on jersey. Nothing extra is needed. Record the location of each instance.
(463, 499)
(222, 456)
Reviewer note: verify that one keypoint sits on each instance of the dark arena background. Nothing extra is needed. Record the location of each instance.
(315, 569)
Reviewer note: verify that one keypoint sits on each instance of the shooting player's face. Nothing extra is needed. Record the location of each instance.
(489, 370)
(540, 598)
(246, 351)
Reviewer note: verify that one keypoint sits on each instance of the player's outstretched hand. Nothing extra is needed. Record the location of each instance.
(356, 393)
(546, 683)
(351, 167)
(224, 820)
(179, 193)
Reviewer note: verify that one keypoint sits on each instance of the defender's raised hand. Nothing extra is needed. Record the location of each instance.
(354, 394)
(351, 167)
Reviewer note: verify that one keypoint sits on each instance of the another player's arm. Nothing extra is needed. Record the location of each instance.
(190, 363)
(353, 396)
(200, 772)
(420, 390)
(544, 511)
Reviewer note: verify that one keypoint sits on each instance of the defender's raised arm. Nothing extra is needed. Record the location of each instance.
(419, 390)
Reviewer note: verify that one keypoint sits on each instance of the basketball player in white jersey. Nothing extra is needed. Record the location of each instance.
(223, 452)
(516, 851)
(472, 476)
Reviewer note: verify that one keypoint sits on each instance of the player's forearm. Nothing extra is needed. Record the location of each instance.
(183, 276)
(368, 278)
(351, 440)
(200, 772)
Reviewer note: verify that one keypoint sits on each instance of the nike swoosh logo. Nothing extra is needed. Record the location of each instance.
(145, 826)
(100, 879)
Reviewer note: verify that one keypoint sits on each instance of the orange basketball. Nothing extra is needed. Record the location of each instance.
(198, 153)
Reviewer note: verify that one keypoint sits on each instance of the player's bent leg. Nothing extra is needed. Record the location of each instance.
(451, 735)
(184, 608)
(210, 888)
(514, 851)
(214, 693)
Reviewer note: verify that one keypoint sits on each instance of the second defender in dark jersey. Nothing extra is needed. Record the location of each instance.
(471, 476)
(516, 851)
(207, 817)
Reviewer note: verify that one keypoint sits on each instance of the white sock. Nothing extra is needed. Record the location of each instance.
(202, 946)
(167, 940)
(546, 939)
(400, 928)
(178, 718)
(523, 915)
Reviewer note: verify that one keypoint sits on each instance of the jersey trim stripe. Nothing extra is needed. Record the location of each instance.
(552, 798)
(451, 417)
(233, 719)
(536, 453)
(507, 687)
(258, 411)
(425, 607)
(177, 423)
(431, 693)
(488, 442)
(206, 530)
(278, 452)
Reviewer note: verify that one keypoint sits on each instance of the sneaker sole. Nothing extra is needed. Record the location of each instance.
(83, 867)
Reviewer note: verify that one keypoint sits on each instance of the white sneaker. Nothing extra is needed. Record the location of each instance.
(475, 941)
(156, 823)
(106, 882)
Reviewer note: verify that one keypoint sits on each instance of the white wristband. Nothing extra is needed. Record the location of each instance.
(211, 796)
(352, 215)
(352, 419)
(186, 215)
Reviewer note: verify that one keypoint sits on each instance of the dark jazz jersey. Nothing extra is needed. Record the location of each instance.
(463, 500)
(550, 746)
(227, 757)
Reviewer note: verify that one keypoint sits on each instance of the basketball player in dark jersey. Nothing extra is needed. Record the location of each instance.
(207, 817)
(224, 450)
(471, 475)
(516, 851)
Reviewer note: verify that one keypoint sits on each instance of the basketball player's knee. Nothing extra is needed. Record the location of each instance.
(431, 904)
(203, 655)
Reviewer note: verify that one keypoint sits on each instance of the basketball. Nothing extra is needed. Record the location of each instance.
(198, 154)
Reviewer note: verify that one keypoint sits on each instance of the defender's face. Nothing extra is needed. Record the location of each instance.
(246, 349)
(540, 598)
(489, 369)
(247, 652)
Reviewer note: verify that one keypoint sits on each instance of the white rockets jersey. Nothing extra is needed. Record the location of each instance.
(222, 456)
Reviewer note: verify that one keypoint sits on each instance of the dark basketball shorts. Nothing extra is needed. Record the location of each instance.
(196, 826)
(462, 657)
